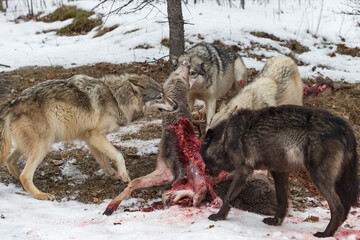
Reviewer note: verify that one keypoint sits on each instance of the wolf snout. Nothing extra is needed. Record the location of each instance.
(170, 104)
(186, 64)
(183, 70)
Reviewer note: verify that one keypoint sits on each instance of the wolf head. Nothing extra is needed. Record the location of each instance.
(198, 72)
(213, 151)
(152, 93)
(176, 85)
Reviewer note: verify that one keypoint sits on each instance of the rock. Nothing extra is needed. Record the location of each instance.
(58, 162)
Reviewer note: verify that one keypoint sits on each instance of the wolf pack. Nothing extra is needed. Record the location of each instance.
(264, 126)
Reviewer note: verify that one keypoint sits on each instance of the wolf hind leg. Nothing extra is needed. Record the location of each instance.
(11, 163)
(240, 74)
(102, 144)
(34, 158)
(327, 189)
(104, 162)
(281, 181)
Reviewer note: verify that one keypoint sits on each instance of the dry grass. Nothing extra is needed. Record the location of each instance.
(102, 31)
(81, 25)
(66, 12)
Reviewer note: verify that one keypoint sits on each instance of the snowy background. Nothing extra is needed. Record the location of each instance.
(24, 44)
(302, 20)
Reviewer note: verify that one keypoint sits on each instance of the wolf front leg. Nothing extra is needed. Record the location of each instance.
(104, 162)
(161, 175)
(281, 181)
(210, 110)
(96, 139)
(237, 185)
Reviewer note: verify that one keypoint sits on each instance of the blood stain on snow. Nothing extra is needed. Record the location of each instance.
(345, 233)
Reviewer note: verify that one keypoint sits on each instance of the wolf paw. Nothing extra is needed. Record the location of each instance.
(44, 196)
(216, 217)
(275, 221)
(322, 235)
(114, 175)
(125, 177)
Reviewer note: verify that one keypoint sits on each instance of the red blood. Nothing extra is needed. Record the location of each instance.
(241, 84)
(201, 115)
(313, 89)
(197, 182)
(342, 234)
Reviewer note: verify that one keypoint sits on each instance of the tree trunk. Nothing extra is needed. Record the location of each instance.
(176, 27)
(242, 4)
(1, 6)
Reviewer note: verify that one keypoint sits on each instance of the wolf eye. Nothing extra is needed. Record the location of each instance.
(159, 98)
(193, 73)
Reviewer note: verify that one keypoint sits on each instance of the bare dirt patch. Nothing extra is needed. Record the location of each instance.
(293, 45)
(342, 49)
(266, 35)
(102, 31)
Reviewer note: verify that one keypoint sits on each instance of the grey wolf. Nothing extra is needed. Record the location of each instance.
(213, 72)
(283, 139)
(278, 83)
(79, 107)
(168, 166)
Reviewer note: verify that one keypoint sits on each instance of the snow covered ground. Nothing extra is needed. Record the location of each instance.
(23, 217)
(24, 44)
(27, 218)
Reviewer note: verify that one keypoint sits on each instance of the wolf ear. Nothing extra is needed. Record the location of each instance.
(174, 60)
(135, 88)
(207, 65)
(222, 106)
(140, 81)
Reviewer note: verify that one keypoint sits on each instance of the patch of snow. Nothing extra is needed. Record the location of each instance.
(232, 25)
(70, 170)
(27, 218)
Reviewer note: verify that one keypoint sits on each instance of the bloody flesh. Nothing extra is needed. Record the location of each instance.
(197, 183)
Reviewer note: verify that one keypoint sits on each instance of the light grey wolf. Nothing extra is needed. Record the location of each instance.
(213, 72)
(283, 139)
(168, 166)
(80, 107)
(278, 83)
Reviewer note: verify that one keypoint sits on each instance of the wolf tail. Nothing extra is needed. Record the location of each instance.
(347, 186)
(5, 137)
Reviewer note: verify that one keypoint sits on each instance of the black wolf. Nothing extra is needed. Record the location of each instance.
(282, 139)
